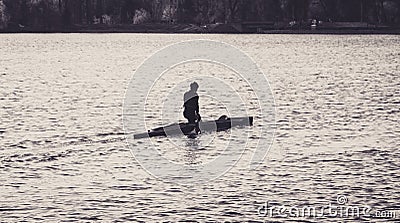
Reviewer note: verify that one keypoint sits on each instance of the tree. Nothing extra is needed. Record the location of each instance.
(232, 8)
(3, 16)
(186, 11)
(51, 14)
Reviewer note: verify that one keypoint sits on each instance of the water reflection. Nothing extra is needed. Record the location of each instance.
(337, 109)
(192, 155)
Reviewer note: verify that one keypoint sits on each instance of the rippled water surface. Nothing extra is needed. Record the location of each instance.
(63, 154)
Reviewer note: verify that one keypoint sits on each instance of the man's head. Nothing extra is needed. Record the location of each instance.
(194, 86)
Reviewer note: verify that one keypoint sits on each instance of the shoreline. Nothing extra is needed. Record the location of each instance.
(350, 29)
(276, 32)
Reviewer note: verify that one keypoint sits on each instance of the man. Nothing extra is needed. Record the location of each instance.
(191, 105)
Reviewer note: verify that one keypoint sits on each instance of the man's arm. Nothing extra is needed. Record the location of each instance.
(197, 109)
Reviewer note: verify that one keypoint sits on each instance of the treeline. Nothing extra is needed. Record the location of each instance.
(50, 14)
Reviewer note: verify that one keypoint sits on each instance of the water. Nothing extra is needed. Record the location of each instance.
(63, 155)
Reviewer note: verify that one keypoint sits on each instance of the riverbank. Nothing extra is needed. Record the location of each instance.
(239, 28)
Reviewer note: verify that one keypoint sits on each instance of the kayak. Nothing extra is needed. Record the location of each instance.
(222, 124)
